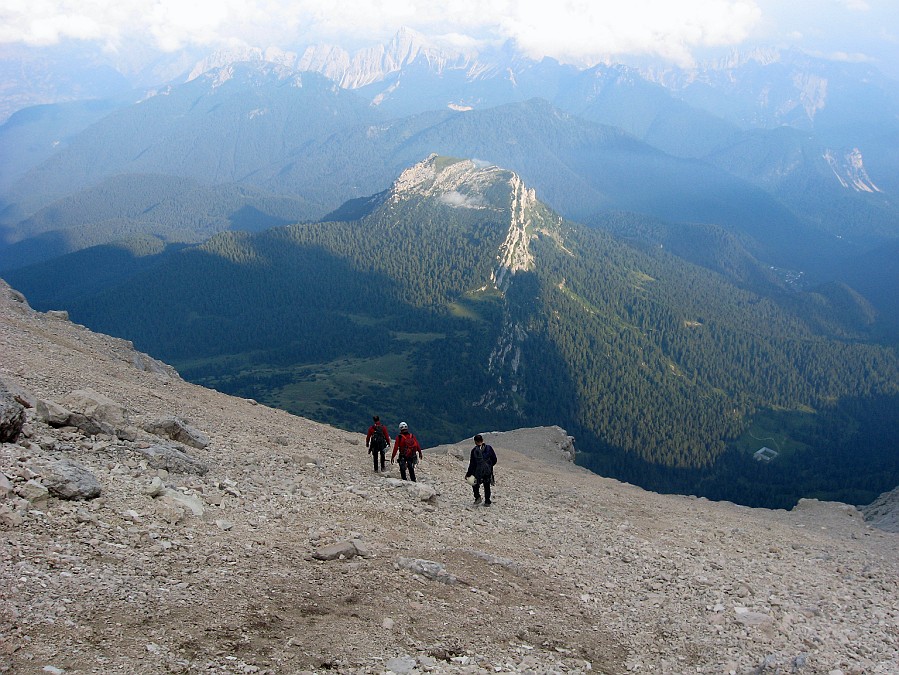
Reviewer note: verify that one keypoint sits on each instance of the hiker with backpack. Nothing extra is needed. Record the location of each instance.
(377, 440)
(480, 469)
(409, 450)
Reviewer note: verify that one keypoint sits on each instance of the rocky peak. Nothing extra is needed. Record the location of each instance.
(252, 73)
(456, 182)
(466, 184)
(225, 57)
(373, 64)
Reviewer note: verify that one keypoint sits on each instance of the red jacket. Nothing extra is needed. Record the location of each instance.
(384, 431)
(407, 445)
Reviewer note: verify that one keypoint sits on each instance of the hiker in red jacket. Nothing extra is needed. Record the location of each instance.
(376, 440)
(407, 446)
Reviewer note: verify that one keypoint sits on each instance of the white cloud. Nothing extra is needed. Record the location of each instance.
(586, 31)
(460, 201)
(572, 30)
(579, 31)
(852, 30)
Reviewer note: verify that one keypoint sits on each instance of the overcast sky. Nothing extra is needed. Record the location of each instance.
(578, 31)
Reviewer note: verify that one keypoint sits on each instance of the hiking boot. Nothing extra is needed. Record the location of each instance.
(488, 503)
(477, 500)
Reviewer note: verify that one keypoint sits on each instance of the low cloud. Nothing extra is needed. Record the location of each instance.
(579, 31)
(574, 31)
(458, 200)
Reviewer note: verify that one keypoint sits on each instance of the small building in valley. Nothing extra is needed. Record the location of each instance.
(764, 454)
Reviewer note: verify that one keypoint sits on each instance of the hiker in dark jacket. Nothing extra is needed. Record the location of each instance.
(409, 450)
(376, 440)
(480, 466)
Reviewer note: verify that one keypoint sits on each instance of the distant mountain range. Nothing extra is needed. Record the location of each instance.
(736, 262)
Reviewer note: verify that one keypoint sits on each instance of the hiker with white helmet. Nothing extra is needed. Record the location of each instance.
(409, 450)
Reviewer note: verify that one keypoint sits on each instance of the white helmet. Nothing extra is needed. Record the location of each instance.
(403, 426)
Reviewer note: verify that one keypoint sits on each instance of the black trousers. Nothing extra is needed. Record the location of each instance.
(374, 457)
(477, 489)
(408, 463)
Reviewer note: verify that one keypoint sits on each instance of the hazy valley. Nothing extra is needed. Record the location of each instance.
(697, 270)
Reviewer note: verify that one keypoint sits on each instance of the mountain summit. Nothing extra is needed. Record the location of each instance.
(469, 184)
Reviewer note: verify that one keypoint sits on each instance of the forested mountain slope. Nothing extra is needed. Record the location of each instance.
(457, 299)
(808, 198)
(171, 208)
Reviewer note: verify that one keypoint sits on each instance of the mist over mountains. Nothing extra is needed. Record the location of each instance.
(716, 246)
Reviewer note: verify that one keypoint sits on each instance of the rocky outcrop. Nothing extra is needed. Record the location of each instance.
(883, 512)
(547, 445)
(172, 459)
(12, 416)
(177, 430)
(89, 411)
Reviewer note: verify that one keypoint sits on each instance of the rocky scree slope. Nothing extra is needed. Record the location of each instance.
(148, 525)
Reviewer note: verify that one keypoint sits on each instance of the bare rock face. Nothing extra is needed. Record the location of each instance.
(883, 512)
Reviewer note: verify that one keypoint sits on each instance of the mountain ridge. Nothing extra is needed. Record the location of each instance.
(249, 123)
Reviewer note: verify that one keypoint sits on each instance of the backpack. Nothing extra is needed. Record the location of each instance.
(377, 439)
(478, 457)
(482, 468)
(407, 445)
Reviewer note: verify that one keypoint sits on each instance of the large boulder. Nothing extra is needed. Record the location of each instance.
(172, 459)
(337, 551)
(97, 407)
(428, 569)
(178, 430)
(91, 412)
(183, 501)
(67, 480)
(51, 413)
(34, 492)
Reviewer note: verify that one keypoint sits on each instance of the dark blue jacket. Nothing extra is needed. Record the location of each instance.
(481, 467)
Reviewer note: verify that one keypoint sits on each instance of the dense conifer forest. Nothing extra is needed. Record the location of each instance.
(667, 368)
